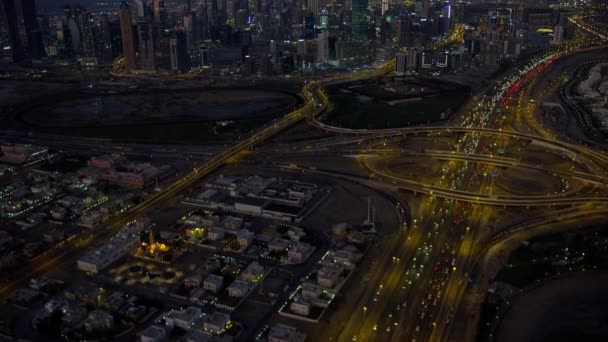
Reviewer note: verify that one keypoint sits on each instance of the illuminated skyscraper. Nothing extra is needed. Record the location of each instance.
(359, 20)
(126, 30)
(384, 6)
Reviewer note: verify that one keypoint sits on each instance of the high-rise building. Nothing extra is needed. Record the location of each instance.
(324, 19)
(309, 26)
(359, 20)
(384, 7)
(34, 36)
(126, 31)
(145, 34)
(323, 46)
(178, 51)
(313, 7)
(401, 62)
(426, 8)
(146, 42)
(13, 30)
(464, 12)
(159, 12)
(412, 59)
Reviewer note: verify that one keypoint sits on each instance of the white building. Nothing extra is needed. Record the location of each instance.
(250, 205)
(300, 308)
(117, 247)
(186, 319)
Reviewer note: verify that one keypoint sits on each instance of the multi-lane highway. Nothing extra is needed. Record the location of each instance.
(417, 298)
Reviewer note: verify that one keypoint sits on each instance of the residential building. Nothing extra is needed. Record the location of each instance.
(213, 283)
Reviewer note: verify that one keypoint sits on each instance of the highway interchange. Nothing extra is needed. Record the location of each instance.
(427, 270)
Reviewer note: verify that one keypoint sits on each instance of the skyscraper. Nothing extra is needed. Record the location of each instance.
(126, 30)
(359, 20)
(426, 8)
(13, 30)
(313, 7)
(34, 36)
(146, 42)
(323, 46)
(384, 7)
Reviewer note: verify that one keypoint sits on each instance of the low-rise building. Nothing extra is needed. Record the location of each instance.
(253, 273)
(328, 276)
(310, 291)
(73, 314)
(238, 289)
(153, 333)
(347, 257)
(299, 252)
(244, 238)
(285, 333)
(218, 323)
(186, 319)
(193, 281)
(278, 245)
(301, 308)
(117, 247)
(216, 234)
(213, 283)
(98, 320)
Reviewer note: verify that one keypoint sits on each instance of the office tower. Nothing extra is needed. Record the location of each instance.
(178, 51)
(426, 8)
(309, 26)
(188, 28)
(126, 31)
(447, 16)
(13, 30)
(412, 59)
(146, 42)
(384, 7)
(145, 34)
(313, 7)
(359, 20)
(323, 46)
(85, 24)
(34, 36)
(324, 19)
(205, 57)
(103, 38)
(160, 14)
(401, 62)
(464, 13)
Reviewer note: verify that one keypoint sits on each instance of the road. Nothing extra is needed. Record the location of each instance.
(417, 298)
